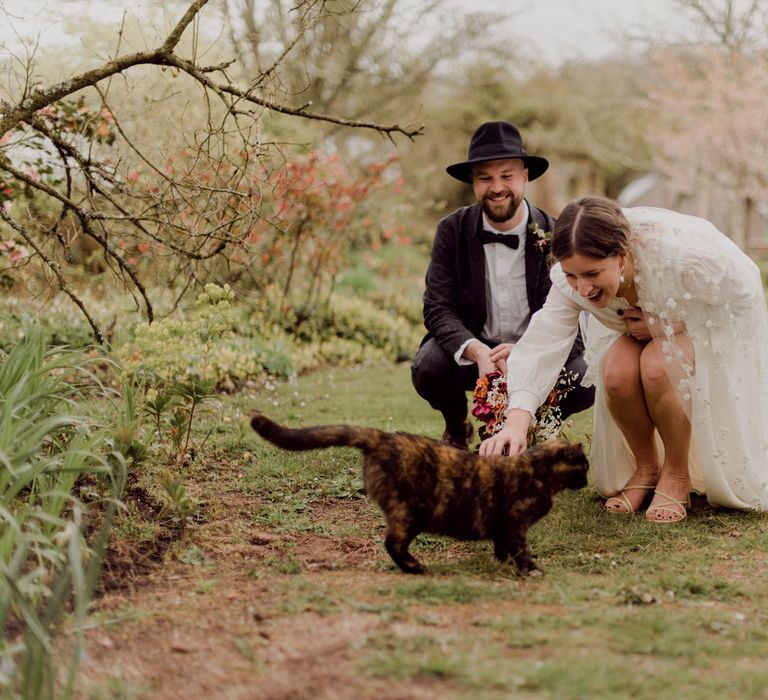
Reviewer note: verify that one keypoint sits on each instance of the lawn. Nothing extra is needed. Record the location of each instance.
(281, 587)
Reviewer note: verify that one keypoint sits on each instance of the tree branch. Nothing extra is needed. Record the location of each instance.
(12, 115)
(54, 267)
(228, 89)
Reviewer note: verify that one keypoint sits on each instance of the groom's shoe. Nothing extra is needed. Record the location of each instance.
(460, 437)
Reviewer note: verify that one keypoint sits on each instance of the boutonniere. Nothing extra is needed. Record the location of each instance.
(541, 237)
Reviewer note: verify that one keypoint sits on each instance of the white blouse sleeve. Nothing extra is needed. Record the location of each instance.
(535, 362)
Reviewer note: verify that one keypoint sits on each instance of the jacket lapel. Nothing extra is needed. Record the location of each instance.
(535, 262)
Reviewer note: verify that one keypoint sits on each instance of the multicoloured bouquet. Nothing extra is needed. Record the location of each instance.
(490, 399)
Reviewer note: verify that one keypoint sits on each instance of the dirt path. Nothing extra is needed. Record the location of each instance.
(240, 612)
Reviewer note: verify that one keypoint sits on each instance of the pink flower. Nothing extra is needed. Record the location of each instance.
(482, 411)
(18, 253)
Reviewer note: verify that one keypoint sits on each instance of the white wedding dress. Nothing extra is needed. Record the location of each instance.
(686, 270)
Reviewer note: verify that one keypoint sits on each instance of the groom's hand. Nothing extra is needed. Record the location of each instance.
(499, 356)
(480, 354)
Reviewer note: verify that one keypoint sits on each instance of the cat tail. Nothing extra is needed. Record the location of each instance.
(314, 437)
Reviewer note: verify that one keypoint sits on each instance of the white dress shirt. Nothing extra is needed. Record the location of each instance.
(506, 296)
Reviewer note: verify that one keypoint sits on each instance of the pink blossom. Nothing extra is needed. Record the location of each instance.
(18, 253)
(482, 411)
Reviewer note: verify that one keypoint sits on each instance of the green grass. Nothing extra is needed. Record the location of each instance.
(117, 689)
(626, 608)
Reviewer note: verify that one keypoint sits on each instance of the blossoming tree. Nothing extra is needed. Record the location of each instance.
(713, 128)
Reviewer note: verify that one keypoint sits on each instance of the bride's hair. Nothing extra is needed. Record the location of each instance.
(591, 226)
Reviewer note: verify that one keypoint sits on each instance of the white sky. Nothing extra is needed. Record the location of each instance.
(560, 28)
(590, 28)
(31, 19)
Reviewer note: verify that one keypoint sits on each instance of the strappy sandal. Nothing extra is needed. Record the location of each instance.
(621, 497)
(677, 515)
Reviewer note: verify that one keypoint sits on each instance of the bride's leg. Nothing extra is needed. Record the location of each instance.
(670, 419)
(626, 401)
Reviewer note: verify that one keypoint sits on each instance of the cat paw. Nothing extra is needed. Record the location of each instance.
(533, 573)
(411, 567)
(418, 570)
(527, 567)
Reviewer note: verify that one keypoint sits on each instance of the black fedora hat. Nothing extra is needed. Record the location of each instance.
(495, 141)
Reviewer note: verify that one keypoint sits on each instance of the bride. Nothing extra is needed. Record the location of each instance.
(679, 357)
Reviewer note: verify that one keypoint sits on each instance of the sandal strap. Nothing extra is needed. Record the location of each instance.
(622, 497)
(672, 501)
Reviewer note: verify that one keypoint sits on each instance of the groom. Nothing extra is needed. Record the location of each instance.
(487, 275)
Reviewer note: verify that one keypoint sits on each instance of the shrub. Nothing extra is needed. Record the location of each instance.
(345, 330)
(226, 343)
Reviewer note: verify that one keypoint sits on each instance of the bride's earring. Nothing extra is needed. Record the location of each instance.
(621, 277)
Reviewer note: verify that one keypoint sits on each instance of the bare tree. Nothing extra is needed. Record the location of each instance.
(96, 178)
(355, 57)
(736, 25)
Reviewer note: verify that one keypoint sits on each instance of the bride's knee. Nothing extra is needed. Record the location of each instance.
(621, 379)
(653, 370)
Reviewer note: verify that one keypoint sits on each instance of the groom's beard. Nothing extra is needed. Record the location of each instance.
(497, 212)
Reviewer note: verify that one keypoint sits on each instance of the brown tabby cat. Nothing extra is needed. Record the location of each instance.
(423, 485)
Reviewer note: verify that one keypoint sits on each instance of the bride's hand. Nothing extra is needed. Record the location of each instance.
(513, 436)
(637, 326)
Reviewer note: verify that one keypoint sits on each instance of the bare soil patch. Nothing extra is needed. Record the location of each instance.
(218, 628)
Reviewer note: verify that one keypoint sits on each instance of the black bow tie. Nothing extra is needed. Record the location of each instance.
(511, 240)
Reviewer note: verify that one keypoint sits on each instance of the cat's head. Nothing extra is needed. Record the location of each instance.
(567, 463)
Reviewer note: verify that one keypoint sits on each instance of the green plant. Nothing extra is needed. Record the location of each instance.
(172, 350)
(191, 394)
(171, 361)
(48, 564)
(156, 404)
(128, 432)
(179, 499)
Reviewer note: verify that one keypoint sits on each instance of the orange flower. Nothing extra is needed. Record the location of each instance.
(481, 388)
